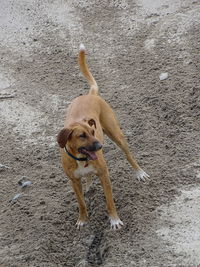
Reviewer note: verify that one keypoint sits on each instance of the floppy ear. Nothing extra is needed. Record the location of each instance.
(63, 136)
(92, 122)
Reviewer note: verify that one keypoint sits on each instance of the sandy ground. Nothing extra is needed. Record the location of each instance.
(129, 44)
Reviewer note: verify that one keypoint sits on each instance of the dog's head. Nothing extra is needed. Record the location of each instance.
(80, 138)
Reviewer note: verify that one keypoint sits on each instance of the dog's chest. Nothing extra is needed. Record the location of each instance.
(83, 171)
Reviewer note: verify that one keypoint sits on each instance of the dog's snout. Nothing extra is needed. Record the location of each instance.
(97, 145)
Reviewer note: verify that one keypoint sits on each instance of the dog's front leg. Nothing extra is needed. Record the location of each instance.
(83, 216)
(115, 221)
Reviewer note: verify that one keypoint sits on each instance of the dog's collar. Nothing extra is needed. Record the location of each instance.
(72, 156)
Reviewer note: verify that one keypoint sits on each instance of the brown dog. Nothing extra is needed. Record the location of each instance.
(88, 117)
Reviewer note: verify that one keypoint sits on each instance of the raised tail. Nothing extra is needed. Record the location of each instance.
(84, 69)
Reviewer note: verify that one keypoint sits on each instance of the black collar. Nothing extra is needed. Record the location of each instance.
(72, 156)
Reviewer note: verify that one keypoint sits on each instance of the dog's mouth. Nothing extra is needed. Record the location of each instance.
(90, 151)
(91, 155)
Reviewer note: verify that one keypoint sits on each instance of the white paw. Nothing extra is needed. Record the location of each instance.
(116, 224)
(142, 175)
(80, 224)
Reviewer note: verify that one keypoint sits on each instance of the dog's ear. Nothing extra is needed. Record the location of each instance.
(92, 122)
(63, 136)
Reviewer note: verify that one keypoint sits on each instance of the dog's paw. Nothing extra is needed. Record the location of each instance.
(142, 175)
(80, 224)
(116, 223)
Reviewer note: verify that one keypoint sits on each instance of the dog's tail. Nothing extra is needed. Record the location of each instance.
(86, 72)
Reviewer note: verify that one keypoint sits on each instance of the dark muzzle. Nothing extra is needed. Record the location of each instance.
(95, 146)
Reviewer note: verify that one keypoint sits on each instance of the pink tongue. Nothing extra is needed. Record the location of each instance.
(92, 155)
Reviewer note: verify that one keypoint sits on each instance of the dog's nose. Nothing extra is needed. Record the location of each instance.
(97, 145)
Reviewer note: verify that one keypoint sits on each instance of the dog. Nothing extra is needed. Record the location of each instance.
(88, 117)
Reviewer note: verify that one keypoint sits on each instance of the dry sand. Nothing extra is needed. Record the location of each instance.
(129, 44)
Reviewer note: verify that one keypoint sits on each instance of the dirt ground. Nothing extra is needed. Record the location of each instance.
(129, 44)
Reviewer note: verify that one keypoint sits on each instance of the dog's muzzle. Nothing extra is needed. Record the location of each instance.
(89, 151)
(96, 146)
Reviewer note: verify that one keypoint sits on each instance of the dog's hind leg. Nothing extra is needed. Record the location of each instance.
(112, 130)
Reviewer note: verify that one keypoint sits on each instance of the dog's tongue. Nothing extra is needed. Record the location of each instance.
(92, 155)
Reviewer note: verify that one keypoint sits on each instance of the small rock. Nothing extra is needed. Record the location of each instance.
(163, 76)
(15, 198)
(3, 167)
(22, 180)
(26, 183)
(23, 183)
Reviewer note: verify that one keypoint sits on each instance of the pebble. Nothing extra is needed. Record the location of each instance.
(3, 167)
(25, 184)
(15, 198)
(163, 76)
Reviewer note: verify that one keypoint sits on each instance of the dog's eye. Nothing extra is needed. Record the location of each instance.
(92, 132)
(83, 135)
